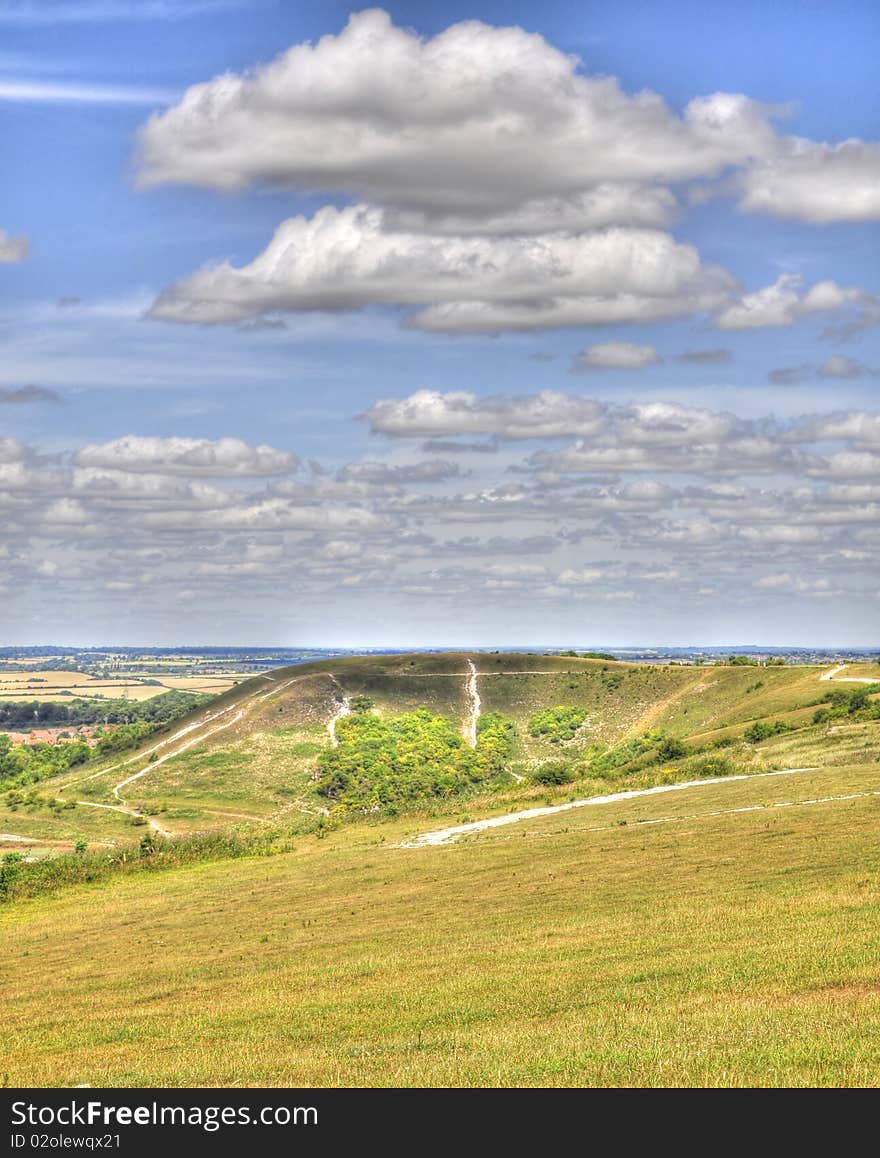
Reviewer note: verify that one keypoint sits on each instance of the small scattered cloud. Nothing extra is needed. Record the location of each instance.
(839, 366)
(27, 394)
(12, 249)
(449, 446)
(383, 474)
(789, 375)
(68, 302)
(715, 357)
(258, 325)
(782, 304)
(616, 356)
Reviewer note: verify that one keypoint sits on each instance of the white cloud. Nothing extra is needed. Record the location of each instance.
(743, 456)
(428, 413)
(11, 450)
(839, 366)
(581, 578)
(847, 464)
(785, 582)
(12, 249)
(610, 203)
(616, 355)
(558, 312)
(120, 485)
(781, 304)
(65, 512)
(859, 427)
(226, 457)
(669, 424)
(816, 182)
(347, 259)
(384, 474)
(272, 514)
(376, 111)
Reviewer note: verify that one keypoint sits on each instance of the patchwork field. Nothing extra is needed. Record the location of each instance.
(52, 686)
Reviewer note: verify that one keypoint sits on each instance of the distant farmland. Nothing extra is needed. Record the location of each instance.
(48, 685)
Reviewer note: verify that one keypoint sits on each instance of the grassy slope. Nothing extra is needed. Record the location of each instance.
(571, 950)
(261, 768)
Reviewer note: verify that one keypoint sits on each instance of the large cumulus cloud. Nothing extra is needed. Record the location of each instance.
(346, 259)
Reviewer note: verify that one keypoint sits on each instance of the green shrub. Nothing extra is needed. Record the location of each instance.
(764, 729)
(557, 724)
(671, 749)
(383, 763)
(552, 772)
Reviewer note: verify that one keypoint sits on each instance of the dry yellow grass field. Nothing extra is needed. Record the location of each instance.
(592, 948)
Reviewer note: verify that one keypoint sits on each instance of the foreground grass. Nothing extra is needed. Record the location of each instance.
(730, 950)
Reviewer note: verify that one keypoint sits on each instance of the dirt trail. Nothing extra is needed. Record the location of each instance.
(343, 710)
(681, 816)
(153, 824)
(470, 688)
(446, 836)
(832, 675)
(177, 751)
(653, 713)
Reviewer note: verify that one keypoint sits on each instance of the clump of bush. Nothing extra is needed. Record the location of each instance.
(670, 749)
(849, 703)
(764, 729)
(552, 772)
(556, 724)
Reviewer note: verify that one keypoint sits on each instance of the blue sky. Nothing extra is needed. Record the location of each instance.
(496, 413)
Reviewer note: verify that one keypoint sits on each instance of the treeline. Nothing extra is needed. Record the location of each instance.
(24, 764)
(584, 655)
(23, 716)
(381, 764)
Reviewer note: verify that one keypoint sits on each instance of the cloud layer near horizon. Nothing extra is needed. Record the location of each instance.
(584, 499)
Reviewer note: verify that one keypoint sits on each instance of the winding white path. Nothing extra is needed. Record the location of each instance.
(832, 675)
(446, 836)
(470, 728)
(343, 710)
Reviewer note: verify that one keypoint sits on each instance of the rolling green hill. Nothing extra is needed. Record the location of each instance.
(257, 754)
